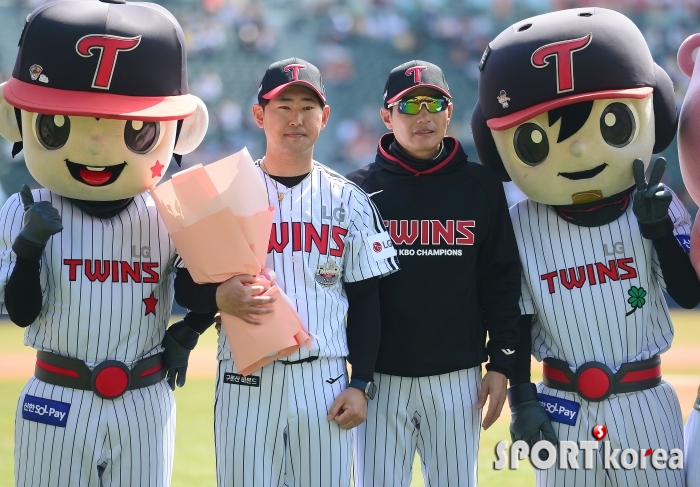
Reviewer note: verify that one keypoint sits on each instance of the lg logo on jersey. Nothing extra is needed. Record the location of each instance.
(618, 248)
(338, 214)
(144, 252)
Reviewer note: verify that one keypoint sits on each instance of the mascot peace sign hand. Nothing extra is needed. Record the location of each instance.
(652, 200)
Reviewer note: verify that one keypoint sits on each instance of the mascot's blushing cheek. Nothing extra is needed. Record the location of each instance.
(593, 163)
(96, 159)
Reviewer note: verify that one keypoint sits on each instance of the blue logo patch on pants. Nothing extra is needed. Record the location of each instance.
(45, 411)
(684, 240)
(560, 410)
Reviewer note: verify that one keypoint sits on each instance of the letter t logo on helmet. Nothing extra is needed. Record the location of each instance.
(109, 47)
(563, 52)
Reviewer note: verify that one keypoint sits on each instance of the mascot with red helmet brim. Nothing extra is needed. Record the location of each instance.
(571, 107)
(99, 102)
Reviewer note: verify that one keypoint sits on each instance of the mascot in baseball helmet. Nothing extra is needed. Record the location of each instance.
(571, 107)
(689, 156)
(99, 102)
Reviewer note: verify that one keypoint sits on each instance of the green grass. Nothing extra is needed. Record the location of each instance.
(194, 448)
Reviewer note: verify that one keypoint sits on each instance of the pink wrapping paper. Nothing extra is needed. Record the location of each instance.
(219, 220)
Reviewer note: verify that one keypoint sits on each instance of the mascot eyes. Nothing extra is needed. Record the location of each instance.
(617, 125)
(52, 130)
(531, 144)
(141, 137)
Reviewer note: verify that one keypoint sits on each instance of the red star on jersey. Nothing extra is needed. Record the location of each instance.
(157, 169)
(150, 303)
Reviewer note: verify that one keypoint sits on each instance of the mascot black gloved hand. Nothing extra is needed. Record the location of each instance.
(529, 421)
(568, 101)
(99, 102)
(651, 201)
(180, 339)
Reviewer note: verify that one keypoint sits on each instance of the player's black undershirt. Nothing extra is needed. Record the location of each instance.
(289, 181)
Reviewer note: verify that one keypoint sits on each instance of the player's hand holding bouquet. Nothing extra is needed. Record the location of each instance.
(219, 218)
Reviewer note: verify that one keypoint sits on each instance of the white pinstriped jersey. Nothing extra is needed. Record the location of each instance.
(106, 283)
(595, 292)
(325, 232)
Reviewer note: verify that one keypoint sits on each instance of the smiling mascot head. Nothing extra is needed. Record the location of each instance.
(98, 98)
(567, 100)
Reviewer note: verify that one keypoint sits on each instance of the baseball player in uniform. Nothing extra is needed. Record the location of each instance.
(86, 262)
(288, 424)
(447, 216)
(571, 108)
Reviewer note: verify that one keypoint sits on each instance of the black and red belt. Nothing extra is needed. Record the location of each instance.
(594, 381)
(109, 380)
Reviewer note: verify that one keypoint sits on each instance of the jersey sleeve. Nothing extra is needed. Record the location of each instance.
(526, 305)
(178, 263)
(11, 216)
(682, 224)
(369, 250)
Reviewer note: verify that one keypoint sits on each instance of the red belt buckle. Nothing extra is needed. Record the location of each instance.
(594, 381)
(110, 379)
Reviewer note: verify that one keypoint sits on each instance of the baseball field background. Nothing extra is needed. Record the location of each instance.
(194, 447)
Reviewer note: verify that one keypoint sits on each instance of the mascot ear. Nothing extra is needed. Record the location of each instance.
(8, 120)
(193, 129)
(665, 113)
(486, 146)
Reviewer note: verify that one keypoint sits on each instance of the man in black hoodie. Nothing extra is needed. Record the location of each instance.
(460, 279)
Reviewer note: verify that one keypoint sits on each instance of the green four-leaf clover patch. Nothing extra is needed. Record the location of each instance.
(636, 298)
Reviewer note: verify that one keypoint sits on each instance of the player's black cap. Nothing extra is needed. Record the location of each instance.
(102, 58)
(288, 72)
(561, 58)
(414, 74)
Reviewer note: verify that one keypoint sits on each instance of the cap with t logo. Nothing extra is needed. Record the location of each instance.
(102, 58)
(411, 75)
(288, 72)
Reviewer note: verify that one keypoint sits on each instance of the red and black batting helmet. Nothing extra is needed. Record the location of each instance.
(561, 58)
(102, 58)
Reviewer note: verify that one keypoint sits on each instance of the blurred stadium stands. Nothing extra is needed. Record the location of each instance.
(355, 43)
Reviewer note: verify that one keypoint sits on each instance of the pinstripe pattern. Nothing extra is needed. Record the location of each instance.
(435, 415)
(691, 457)
(591, 322)
(95, 310)
(277, 434)
(640, 420)
(322, 309)
(75, 313)
(127, 442)
(596, 322)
